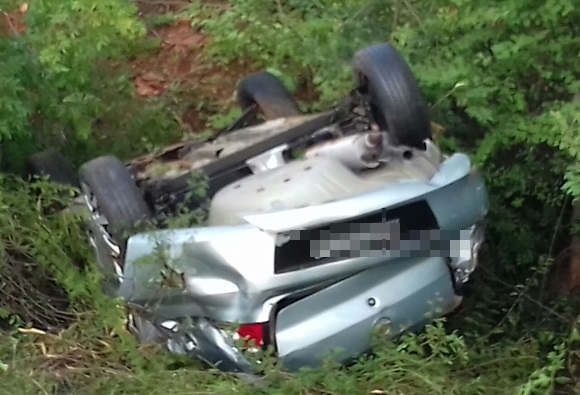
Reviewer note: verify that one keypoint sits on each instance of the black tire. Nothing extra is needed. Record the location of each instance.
(117, 196)
(52, 164)
(396, 99)
(269, 94)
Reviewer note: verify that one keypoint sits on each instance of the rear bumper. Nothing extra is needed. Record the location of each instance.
(340, 319)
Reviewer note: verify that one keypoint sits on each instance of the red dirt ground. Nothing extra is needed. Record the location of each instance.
(178, 63)
(11, 23)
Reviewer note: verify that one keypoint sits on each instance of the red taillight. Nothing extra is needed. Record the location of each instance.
(253, 332)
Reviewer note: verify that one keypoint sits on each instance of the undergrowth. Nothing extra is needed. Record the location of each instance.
(451, 368)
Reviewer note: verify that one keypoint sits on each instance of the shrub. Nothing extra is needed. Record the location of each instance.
(70, 88)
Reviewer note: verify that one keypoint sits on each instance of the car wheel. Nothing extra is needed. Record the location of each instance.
(115, 202)
(269, 94)
(52, 164)
(396, 100)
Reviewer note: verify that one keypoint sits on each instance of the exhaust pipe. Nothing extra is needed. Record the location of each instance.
(358, 151)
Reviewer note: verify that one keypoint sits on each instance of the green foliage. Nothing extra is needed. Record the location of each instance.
(507, 75)
(515, 63)
(303, 39)
(39, 243)
(543, 380)
(70, 88)
(432, 362)
(86, 34)
(222, 120)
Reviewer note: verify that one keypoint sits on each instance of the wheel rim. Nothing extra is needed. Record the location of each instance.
(102, 223)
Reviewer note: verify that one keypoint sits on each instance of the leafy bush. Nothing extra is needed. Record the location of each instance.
(69, 88)
(46, 261)
(504, 71)
(302, 39)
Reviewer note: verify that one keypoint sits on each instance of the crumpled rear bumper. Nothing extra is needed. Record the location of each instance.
(342, 318)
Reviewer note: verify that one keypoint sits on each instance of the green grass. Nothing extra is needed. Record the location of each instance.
(431, 363)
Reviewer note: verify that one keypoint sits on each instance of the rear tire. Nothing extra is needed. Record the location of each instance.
(269, 94)
(109, 184)
(52, 164)
(395, 97)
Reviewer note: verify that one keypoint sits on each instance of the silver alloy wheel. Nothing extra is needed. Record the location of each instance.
(101, 221)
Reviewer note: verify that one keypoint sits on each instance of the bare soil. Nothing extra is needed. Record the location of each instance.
(178, 63)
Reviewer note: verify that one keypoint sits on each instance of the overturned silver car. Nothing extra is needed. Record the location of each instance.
(320, 228)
